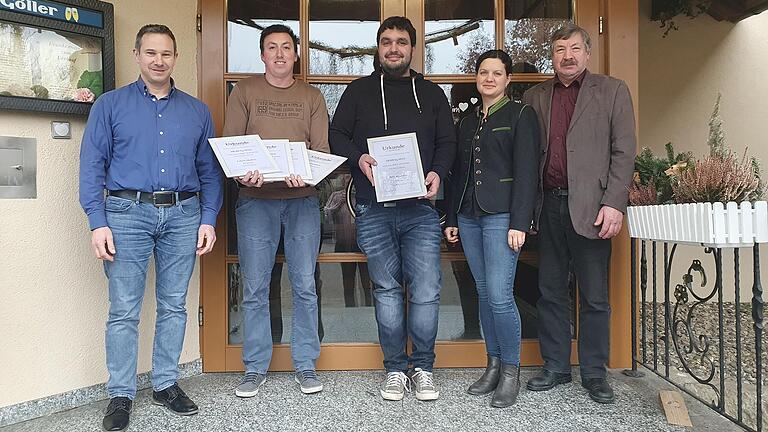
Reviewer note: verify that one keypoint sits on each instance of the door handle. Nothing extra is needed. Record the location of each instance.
(17, 167)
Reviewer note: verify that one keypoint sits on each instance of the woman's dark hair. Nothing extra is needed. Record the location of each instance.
(496, 54)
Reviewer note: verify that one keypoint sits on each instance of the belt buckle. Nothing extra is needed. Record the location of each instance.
(163, 202)
(389, 204)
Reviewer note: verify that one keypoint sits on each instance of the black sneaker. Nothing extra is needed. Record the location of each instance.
(175, 400)
(118, 414)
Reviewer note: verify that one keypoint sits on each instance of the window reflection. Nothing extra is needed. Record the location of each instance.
(528, 25)
(332, 94)
(338, 35)
(339, 228)
(516, 90)
(463, 97)
(246, 20)
(456, 33)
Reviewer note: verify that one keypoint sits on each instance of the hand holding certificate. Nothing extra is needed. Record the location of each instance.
(300, 160)
(398, 173)
(292, 159)
(240, 154)
(279, 151)
(273, 160)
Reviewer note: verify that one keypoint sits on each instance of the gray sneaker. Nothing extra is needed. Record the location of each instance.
(395, 386)
(249, 387)
(308, 381)
(424, 385)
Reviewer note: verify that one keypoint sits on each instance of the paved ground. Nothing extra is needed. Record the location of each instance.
(350, 402)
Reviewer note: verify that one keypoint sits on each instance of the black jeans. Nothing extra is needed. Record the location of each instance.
(559, 245)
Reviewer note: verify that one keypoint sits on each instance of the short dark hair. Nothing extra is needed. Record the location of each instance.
(399, 23)
(568, 30)
(154, 28)
(506, 60)
(279, 28)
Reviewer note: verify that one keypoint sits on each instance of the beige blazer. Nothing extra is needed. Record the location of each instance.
(600, 143)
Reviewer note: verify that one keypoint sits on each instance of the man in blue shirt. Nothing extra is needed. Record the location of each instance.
(146, 144)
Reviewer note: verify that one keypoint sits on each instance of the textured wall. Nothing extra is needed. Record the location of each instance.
(680, 76)
(53, 297)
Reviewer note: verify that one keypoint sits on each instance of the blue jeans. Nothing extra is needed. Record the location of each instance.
(139, 231)
(403, 249)
(493, 264)
(259, 222)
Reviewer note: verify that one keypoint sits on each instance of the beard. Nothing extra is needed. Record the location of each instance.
(398, 69)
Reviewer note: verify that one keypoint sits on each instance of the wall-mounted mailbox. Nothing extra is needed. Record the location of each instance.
(18, 167)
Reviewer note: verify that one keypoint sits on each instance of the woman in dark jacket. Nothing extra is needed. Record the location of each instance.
(491, 194)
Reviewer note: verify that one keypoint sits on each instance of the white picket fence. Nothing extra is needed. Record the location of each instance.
(707, 224)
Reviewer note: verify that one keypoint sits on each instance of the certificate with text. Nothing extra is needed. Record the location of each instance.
(239, 154)
(322, 164)
(398, 173)
(280, 152)
(300, 158)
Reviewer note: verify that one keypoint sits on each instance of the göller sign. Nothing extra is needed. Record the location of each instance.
(29, 6)
(53, 10)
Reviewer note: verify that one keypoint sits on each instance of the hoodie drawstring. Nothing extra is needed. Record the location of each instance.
(415, 96)
(384, 103)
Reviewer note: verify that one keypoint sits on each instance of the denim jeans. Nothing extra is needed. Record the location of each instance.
(259, 222)
(403, 249)
(493, 264)
(141, 230)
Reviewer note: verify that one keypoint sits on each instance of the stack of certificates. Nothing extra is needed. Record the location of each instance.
(275, 158)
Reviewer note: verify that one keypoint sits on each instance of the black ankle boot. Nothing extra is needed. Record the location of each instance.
(508, 387)
(488, 381)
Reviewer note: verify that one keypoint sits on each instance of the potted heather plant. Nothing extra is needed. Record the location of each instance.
(713, 201)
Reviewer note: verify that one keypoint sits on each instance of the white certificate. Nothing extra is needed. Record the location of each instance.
(280, 152)
(322, 164)
(239, 154)
(398, 173)
(300, 159)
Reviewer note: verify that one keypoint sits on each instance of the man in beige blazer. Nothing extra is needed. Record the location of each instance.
(588, 147)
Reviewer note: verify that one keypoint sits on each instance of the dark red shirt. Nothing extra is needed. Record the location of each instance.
(563, 104)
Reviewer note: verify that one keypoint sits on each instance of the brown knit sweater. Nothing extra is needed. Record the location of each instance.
(296, 113)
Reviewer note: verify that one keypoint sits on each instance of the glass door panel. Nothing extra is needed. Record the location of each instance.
(338, 32)
(455, 33)
(245, 21)
(339, 44)
(332, 94)
(528, 25)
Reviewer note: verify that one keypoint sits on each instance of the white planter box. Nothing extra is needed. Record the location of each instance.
(706, 224)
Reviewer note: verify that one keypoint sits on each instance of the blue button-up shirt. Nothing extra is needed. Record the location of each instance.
(135, 141)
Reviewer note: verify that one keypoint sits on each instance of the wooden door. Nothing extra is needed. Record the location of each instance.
(337, 40)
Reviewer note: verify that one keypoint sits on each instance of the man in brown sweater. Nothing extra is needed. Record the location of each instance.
(276, 106)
